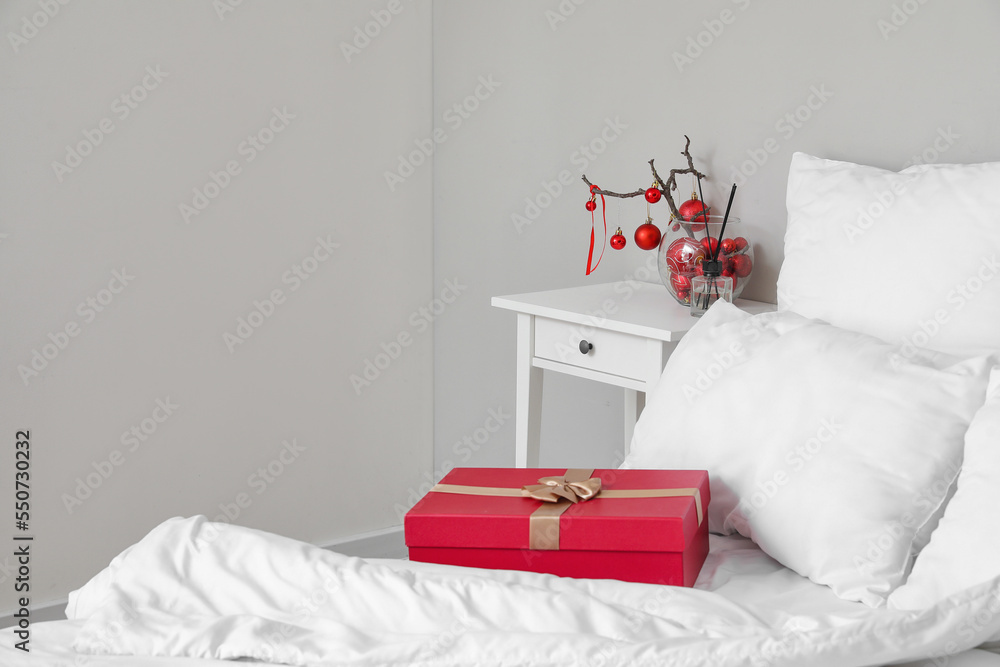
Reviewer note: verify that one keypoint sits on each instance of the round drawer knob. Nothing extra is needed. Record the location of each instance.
(586, 347)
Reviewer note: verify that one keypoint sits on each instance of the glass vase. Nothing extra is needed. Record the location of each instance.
(686, 244)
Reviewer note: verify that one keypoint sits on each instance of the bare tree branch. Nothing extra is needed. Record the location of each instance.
(666, 187)
(609, 193)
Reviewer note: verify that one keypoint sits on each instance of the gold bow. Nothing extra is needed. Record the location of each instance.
(556, 488)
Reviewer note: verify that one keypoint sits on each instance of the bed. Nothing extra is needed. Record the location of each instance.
(853, 441)
(746, 609)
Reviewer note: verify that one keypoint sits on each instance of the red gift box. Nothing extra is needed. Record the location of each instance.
(647, 526)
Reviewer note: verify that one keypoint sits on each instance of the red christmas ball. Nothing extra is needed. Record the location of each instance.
(710, 245)
(647, 236)
(683, 253)
(742, 266)
(729, 274)
(728, 246)
(618, 240)
(693, 210)
(653, 195)
(684, 295)
(591, 205)
(681, 250)
(741, 243)
(680, 283)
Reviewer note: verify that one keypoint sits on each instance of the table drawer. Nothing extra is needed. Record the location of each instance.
(613, 352)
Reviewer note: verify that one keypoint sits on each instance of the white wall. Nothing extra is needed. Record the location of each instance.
(889, 94)
(162, 335)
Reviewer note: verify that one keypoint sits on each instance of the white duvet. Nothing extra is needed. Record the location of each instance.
(197, 589)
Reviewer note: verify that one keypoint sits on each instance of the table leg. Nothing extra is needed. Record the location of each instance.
(528, 408)
(635, 401)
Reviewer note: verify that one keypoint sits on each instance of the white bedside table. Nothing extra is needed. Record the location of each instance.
(616, 333)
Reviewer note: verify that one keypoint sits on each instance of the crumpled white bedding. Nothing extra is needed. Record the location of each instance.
(195, 589)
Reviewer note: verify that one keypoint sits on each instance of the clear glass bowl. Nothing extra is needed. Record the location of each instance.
(685, 245)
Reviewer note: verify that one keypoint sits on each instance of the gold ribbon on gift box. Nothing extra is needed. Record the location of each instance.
(560, 492)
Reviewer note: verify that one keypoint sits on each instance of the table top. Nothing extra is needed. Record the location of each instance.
(633, 307)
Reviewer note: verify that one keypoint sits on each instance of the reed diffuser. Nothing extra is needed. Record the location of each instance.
(711, 285)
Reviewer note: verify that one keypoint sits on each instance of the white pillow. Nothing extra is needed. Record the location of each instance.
(910, 257)
(824, 445)
(965, 548)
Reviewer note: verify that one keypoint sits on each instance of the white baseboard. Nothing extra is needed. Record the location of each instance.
(53, 611)
(384, 543)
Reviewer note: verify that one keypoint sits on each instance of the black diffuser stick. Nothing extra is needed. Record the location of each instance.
(725, 219)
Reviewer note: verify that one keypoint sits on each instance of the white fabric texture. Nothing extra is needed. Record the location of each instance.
(911, 257)
(736, 569)
(965, 547)
(213, 591)
(827, 447)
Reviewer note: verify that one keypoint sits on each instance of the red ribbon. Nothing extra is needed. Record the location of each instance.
(593, 228)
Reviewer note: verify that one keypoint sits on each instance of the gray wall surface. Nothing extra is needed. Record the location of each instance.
(163, 403)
